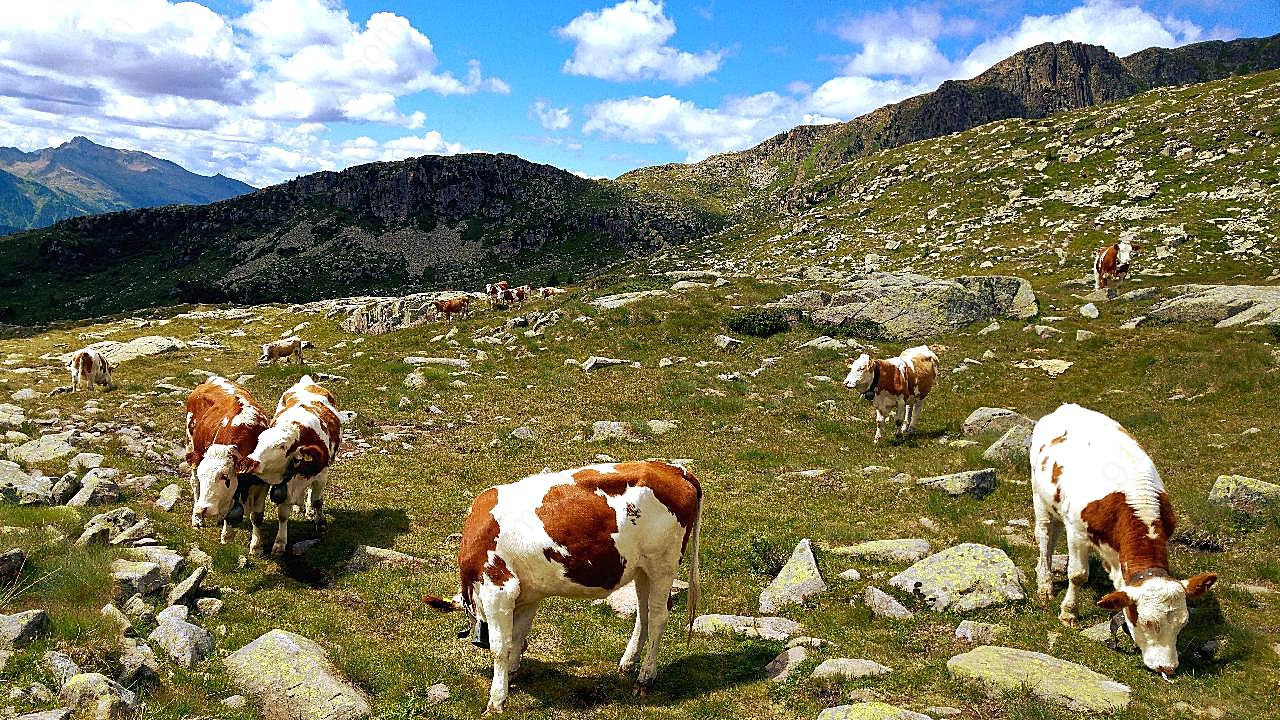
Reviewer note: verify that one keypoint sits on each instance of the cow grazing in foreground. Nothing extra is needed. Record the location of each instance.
(547, 292)
(223, 425)
(283, 348)
(577, 533)
(453, 306)
(1111, 266)
(1091, 478)
(897, 386)
(293, 455)
(89, 367)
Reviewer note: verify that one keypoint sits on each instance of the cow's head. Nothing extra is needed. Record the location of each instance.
(218, 477)
(1155, 611)
(861, 375)
(106, 379)
(1124, 255)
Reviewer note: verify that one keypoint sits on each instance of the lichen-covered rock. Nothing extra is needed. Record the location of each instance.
(798, 581)
(117, 352)
(965, 577)
(898, 550)
(884, 605)
(849, 668)
(184, 643)
(59, 714)
(96, 696)
(102, 527)
(44, 449)
(608, 302)
(603, 430)
(98, 487)
(367, 556)
(21, 629)
(1058, 681)
(138, 663)
(60, 666)
(1222, 305)
(135, 578)
(171, 563)
(294, 678)
(18, 486)
(1013, 448)
(870, 711)
(169, 496)
(1243, 493)
(12, 416)
(992, 420)
(979, 632)
(769, 628)
(975, 483)
(782, 667)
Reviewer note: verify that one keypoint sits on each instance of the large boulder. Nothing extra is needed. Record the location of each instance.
(1057, 681)
(102, 528)
(903, 306)
(1243, 493)
(184, 643)
(992, 420)
(1222, 305)
(135, 578)
(798, 581)
(294, 679)
(964, 577)
(44, 449)
(145, 346)
(17, 486)
(902, 550)
(784, 665)
(609, 302)
(870, 711)
(97, 488)
(975, 483)
(96, 696)
(21, 629)
(378, 315)
(1013, 448)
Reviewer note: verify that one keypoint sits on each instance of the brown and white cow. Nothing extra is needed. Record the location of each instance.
(546, 292)
(223, 425)
(897, 386)
(453, 306)
(89, 367)
(294, 453)
(577, 533)
(283, 348)
(1090, 477)
(494, 289)
(522, 293)
(1111, 266)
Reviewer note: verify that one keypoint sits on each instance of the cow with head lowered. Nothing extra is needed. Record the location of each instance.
(223, 425)
(1111, 266)
(577, 533)
(293, 455)
(1090, 478)
(89, 368)
(896, 387)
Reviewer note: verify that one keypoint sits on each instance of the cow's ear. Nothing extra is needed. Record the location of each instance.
(1114, 601)
(1198, 585)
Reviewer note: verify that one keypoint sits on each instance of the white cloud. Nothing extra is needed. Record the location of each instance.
(250, 95)
(550, 117)
(627, 42)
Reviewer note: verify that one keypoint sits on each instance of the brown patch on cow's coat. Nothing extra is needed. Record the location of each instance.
(608, 483)
(922, 371)
(479, 538)
(1058, 440)
(212, 410)
(1056, 474)
(581, 522)
(890, 380)
(677, 489)
(1111, 521)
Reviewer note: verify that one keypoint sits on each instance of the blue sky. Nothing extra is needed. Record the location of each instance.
(265, 90)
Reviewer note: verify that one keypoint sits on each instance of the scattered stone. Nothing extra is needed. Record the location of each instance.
(114, 616)
(293, 677)
(94, 695)
(138, 609)
(769, 628)
(1058, 681)
(171, 563)
(60, 666)
(870, 711)
(208, 606)
(1013, 448)
(884, 605)
(105, 526)
(20, 629)
(809, 642)
(11, 564)
(1243, 493)
(17, 486)
(623, 601)
(851, 574)
(137, 531)
(65, 488)
(798, 581)
(44, 449)
(609, 302)
(145, 346)
(1052, 367)
(993, 420)
(135, 578)
(1084, 335)
(979, 633)
(724, 342)
(437, 693)
(169, 496)
(97, 488)
(447, 362)
(849, 669)
(661, 427)
(944, 711)
(186, 644)
(1223, 305)
(234, 702)
(367, 556)
(1089, 310)
(781, 668)
(603, 430)
(85, 461)
(12, 416)
(900, 550)
(525, 433)
(965, 577)
(182, 593)
(975, 483)
(596, 361)
(138, 663)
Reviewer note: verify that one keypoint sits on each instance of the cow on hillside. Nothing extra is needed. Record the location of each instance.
(546, 292)
(577, 533)
(89, 367)
(1091, 478)
(1111, 266)
(223, 425)
(897, 386)
(453, 306)
(283, 348)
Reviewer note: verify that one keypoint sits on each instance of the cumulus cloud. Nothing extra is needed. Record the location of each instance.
(249, 94)
(549, 117)
(628, 42)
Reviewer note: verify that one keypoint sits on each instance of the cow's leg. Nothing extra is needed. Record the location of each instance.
(315, 501)
(499, 612)
(915, 415)
(283, 511)
(299, 354)
(521, 622)
(255, 506)
(641, 630)
(228, 533)
(659, 594)
(879, 424)
(900, 417)
(1077, 575)
(1047, 529)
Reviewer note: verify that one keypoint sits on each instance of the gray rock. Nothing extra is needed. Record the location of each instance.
(21, 629)
(524, 432)
(851, 575)
(1058, 681)
(769, 628)
(1222, 305)
(884, 605)
(186, 644)
(661, 427)
(447, 362)
(11, 564)
(138, 664)
(17, 486)
(965, 577)
(849, 669)
(609, 302)
(146, 346)
(85, 461)
(979, 632)
(782, 667)
(870, 711)
(603, 430)
(60, 666)
(138, 609)
(183, 592)
(437, 693)
(293, 677)
(65, 488)
(169, 496)
(234, 702)
(44, 449)
(367, 556)
(1013, 448)
(824, 342)
(173, 612)
(378, 315)
(1140, 294)
(103, 527)
(97, 488)
(59, 714)
(1085, 335)
(171, 563)
(975, 483)
(142, 529)
(1243, 493)
(94, 695)
(798, 581)
(12, 416)
(135, 578)
(208, 606)
(993, 420)
(900, 550)
(595, 362)
(116, 617)
(415, 380)
(724, 342)
(1089, 310)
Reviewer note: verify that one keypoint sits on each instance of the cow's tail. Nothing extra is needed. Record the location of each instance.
(440, 603)
(695, 591)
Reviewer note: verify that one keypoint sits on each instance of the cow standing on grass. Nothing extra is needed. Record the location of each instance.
(1091, 478)
(577, 533)
(453, 306)
(495, 290)
(1111, 266)
(286, 347)
(897, 386)
(293, 455)
(89, 367)
(546, 292)
(223, 425)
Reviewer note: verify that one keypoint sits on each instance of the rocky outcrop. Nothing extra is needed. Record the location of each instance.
(974, 483)
(1222, 305)
(96, 696)
(965, 577)
(293, 678)
(992, 420)
(903, 550)
(145, 346)
(378, 315)
(1058, 681)
(870, 711)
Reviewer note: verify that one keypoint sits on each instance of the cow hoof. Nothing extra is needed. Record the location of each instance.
(278, 549)
(641, 688)
(1045, 595)
(493, 709)
(1068, 619)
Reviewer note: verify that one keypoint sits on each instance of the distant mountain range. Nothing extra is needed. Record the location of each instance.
(80, 177)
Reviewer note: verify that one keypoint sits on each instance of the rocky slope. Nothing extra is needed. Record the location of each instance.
(80, 177)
